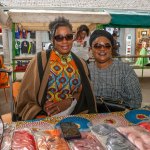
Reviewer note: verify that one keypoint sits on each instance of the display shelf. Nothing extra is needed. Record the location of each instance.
(19, 70)
(23, 58)
(23, 49)
(20, 64)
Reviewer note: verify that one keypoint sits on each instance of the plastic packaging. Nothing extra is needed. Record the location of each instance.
(7, 136)
(51, 140)
(1, 131)
(23, 139)
(111, 138)
(145, 124)
(87, 142)
(137, 135)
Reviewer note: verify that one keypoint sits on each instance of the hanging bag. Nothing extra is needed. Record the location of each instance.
(105, 105)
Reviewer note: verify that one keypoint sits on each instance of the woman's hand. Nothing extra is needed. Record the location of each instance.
(53, 108)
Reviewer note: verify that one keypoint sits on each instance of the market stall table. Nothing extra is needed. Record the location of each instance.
(49, 123)
(116, 119)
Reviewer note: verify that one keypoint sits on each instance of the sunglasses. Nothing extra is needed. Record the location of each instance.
(60, 38)
(100, 45)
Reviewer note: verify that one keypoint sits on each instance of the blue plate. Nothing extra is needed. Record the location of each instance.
(82, 123)
(137, 115)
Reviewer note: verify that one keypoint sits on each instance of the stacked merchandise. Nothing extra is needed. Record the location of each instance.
(21, 66)
(24, 42)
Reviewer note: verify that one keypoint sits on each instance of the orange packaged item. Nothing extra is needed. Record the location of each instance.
(3, 79)
(51, 140)
(3, 76)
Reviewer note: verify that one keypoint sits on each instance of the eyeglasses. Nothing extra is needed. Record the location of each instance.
(60, 38)
(100, 45)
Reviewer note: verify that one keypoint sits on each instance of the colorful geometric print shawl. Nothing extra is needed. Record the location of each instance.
(64, 78)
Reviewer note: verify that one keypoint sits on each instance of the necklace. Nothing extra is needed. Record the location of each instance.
(64, 58)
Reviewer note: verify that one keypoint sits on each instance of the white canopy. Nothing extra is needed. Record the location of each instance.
(36, 14)
(39, 19)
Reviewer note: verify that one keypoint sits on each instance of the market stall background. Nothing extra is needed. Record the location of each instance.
(36, 15)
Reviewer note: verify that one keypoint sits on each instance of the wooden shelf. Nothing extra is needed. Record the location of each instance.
(19, 70)
(23, 58)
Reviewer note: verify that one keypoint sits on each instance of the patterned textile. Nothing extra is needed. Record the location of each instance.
(64, 78)
(118, 81)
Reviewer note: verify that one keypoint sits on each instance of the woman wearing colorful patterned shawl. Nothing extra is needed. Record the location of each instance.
(63, 87)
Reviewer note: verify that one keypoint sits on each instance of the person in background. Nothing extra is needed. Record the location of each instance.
(115, 51)
(81, 42)
(82, 35)
(143, 52)
(112, 78)
(64, 87)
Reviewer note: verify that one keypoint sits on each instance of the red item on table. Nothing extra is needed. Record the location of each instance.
(23, 139)
(145, 125)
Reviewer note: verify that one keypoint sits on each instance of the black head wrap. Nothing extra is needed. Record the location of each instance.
(98, 33)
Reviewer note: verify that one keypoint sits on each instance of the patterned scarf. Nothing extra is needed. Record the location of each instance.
(64, 77)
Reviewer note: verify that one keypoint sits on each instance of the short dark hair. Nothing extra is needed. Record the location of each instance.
(83, 27)
(60, 21)
(114, 34)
